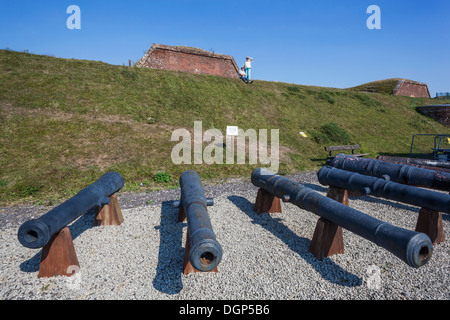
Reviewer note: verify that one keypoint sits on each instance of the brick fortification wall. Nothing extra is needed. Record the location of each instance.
(411, 89)
(440, 113)
(188, 59)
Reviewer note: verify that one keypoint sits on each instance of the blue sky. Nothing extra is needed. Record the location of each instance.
(322, 42)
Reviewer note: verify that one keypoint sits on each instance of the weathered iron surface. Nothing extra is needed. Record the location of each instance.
(399, 173)
(380, 187)
(205, 251)
(414, 248)
(417, 162)
(36, 233)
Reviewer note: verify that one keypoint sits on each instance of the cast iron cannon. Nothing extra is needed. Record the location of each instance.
(404, 174)
(414, 248)
(382, 187)
(36, 233)
(417, 162)
(205, 251)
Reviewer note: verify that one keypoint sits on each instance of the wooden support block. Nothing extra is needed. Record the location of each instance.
(430, 223)
(338, 194)
(266, 202)
(181, 214)
(328, 238)
(187, 267)
(58, 256)
(354, 194)
(109, 214)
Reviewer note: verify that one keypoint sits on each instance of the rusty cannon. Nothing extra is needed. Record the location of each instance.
(205, 252)
(414, 248)
(36, 233)
(382, 187)
(399, 173)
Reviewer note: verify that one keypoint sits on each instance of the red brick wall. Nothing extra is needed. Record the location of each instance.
(411, 89)
(189, 60)
(440, 113)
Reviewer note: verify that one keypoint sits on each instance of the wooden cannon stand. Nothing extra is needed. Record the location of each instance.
(430, 223)
(58, 256)
(187, 266)
(327, 239)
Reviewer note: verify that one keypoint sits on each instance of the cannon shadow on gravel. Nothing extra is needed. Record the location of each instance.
(326, 268)
(80, 225)
(171, 251)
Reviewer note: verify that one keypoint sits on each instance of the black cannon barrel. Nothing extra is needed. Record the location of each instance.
(36, 233)
(383, 188)
(412, 247)
(417, 162)
(205, 251)
(399, 173)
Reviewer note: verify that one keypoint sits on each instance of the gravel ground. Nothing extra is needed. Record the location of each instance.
(265, 257)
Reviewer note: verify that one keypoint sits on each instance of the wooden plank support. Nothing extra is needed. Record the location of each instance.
(266, 202)
(328, 239)
(109, 214)
(58, 256)
(430, 223)
(338, 194)
(181, 214)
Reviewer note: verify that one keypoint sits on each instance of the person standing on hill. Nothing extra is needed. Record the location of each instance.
(248, 67)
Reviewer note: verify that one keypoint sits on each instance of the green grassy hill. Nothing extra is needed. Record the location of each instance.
(386, 86)
(65, 122)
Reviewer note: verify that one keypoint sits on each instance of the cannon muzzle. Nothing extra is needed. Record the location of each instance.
(36, 233)
(205, 251)
(414, 248)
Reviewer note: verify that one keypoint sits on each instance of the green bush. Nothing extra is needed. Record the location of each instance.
(367, 100)
(24, 190)
(162, 177)
(293, 89)
(326, 97)
(332, 133)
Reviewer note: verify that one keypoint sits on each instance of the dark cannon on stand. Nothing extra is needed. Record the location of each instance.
(414, 248)
(382, 187)
(413, 176)
(417, 162)
(36, 233)
(205, 252)
(432, 203)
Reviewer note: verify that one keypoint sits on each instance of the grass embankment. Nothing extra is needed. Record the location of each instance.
(386, 86)
(66, 122)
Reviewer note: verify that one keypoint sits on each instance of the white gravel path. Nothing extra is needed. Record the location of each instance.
(265, 257)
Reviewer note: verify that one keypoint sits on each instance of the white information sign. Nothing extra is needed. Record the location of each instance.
(232, 130)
